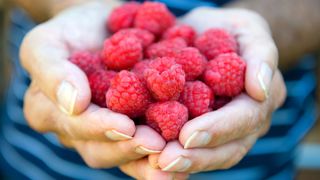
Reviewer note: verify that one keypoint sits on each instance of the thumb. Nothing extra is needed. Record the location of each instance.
(261, 56)
(46, 59)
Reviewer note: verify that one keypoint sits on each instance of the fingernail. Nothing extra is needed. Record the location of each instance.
(198, 139)
(179, 165)
(265, 77)
(117, 136)
(145, 151)
(66, 97)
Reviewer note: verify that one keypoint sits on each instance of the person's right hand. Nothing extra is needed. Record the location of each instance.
(58, 99)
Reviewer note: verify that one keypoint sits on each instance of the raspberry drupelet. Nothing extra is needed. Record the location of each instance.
(225, 75)
(165, 79)
(128, 95)
(167, 118)
(214, 42)
(99, 84)
(197, 97)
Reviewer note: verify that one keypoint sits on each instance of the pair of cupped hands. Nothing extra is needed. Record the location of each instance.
(58, 99)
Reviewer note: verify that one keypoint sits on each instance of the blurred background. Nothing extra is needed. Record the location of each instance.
(308, 153)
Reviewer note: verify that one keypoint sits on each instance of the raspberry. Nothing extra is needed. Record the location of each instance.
(86, 61)
(215, 42)
(99, 84)
(154, 17)
(165, 79)
(192, 61)
(165, 47)
(167, 118)
(144, 36)
(197, 97)
(225, 74)
(221, 101)
(140, 67)
(128, 95)
(183, 31)
(123, 16)
(122, 52)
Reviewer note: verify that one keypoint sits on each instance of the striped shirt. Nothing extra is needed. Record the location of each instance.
(26, 154)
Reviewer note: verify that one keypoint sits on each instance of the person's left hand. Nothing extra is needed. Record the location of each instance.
(220, 139)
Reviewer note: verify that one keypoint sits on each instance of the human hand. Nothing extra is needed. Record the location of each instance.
(58, 99)
(220, 139)
(141, 169)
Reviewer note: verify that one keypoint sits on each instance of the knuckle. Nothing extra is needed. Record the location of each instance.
(90, 156)
(265, 128)
(258, 122)
(93, 162)
(253, 119)
(66, 130)
(65, 142)
(37, 114)
(32, 120)
(235, 159)
(226, 165)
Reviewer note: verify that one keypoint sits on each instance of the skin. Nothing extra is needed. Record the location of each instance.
(231, 136)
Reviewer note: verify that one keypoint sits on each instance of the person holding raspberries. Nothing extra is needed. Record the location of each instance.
(121, 90)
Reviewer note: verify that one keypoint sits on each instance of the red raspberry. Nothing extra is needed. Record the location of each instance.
(165, 47)
(154, 17)
(144, 36)
(128, 95)
(225, 74)
(123, 16)
(197, 97)
(165, 79)
(140, 67)
(99, 84)
(192, 61)
(86, 61)
(183, 31)
(122, 53)
(167, 118)
(215, 42)
(221, 101)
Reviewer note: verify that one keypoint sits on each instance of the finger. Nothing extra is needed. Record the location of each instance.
(174, 158)
(103, 154)
(241, 117)
(259, 51)
(278, 90)
(98, 124)
(140, 169)
(46, 59)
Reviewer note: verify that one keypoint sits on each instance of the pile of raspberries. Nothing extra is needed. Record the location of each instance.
(161, 73)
